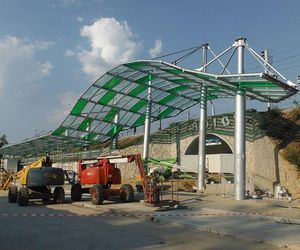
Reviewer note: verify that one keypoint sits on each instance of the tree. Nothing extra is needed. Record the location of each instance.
(3, 140)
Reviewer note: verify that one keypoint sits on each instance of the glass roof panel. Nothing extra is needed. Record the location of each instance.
(131, 119)
(107, 97)
(136, 91)
(79, 106)
(90, 92)
(137, 106)
(100, 93)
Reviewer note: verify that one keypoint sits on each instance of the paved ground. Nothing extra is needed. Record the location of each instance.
(272, 221)
(111, 226)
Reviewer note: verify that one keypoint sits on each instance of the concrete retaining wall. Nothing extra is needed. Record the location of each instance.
(262, 167)
(227, 189)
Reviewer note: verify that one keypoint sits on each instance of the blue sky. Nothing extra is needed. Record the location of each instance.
(52, 50)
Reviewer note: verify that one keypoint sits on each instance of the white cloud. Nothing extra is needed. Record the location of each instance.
(19, 67)
(69, 53)
(112, 42)
(156, 50)
(79, 19)
(45, 68)
(66, 101)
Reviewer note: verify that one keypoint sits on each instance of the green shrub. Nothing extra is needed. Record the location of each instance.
(274, 113)
(292, 154)
(275, 125)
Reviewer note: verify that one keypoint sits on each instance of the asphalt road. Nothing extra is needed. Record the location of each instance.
(65, 226)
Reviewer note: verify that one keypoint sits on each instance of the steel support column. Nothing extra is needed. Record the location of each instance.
(147, 126)
(115, 140)
(202, 127)
(202, 138)
(239, 133)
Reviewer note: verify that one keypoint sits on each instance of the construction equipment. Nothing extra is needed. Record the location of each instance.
(4, 176)
(96, 176)
(169, 169)
(35, 181)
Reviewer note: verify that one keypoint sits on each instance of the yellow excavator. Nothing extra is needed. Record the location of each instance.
(36, 181)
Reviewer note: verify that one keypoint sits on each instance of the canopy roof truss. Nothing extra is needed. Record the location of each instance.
(124, 90)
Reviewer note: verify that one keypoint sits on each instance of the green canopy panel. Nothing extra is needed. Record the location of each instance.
(41, 145)
(123, 92)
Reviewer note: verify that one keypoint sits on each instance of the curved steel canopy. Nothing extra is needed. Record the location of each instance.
(123, 91)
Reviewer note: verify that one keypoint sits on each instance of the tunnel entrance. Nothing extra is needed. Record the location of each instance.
(214, 145)
(219, 155)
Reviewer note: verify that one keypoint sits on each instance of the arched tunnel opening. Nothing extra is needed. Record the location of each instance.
(219, 157)
(214, 145)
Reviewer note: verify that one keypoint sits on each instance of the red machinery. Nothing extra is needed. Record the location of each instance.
(97, 175)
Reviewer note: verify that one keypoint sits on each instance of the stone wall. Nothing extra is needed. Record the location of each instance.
(289, 177)
(260, 164)
(267, 167)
